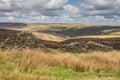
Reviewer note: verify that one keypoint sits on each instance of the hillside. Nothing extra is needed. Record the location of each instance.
(76, 45)
(12, 25)
(48, 37)
(65, 30)
(74, 30)
(4, 33)
(84, 31)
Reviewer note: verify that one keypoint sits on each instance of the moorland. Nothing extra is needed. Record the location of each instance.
(59, 51)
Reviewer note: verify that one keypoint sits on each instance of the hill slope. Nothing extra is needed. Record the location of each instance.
(4, 33)
(48, 37)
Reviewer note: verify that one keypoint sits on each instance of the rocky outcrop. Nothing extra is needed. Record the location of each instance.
(21, 41)
(77, 47)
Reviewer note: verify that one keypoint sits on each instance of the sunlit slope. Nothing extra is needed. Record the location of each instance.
(66, 30)
(74, 30)
(41, 27)
(48, 37)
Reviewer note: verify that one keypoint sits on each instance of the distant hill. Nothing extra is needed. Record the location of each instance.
(4, 33)
(85, 31)
(12, 25)
(65, 30)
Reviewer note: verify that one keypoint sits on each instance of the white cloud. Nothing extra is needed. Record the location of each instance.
(118, 17)
(11, 18)
(100, 18)
(55, 4)
(71, 9)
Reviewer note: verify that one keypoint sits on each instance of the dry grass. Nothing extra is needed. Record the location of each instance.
(34, 27)
(97, 61)
(21, 61)
(48, 37)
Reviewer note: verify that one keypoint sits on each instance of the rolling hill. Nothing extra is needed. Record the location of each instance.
(65, 30)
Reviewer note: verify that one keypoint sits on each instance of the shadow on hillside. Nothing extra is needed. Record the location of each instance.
(4, 33)
(12, 25)
(73, 32)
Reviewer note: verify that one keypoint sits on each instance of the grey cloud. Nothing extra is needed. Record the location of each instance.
(102, 4)
(89, 11)
(14, 5)
(105, 8)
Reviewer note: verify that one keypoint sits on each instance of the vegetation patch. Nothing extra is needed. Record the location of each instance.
(22, 40)
(77, 47)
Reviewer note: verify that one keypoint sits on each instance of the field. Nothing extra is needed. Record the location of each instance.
(40, 65)
(61, 57)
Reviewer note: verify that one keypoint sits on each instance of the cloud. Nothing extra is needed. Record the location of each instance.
(71, 9)
(57, 11)
(100, 18)
(16, 5)
(102, 4)
(101, 7)
(11, 18)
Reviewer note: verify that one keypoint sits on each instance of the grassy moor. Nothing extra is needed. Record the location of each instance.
(35, 52)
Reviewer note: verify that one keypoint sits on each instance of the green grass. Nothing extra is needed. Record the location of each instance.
(62, 72)
(115, 33)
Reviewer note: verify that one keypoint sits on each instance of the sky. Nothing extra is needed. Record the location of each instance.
(61, 11)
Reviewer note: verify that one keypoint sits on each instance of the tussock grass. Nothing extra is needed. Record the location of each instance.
(14, 64)
(96, 61)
